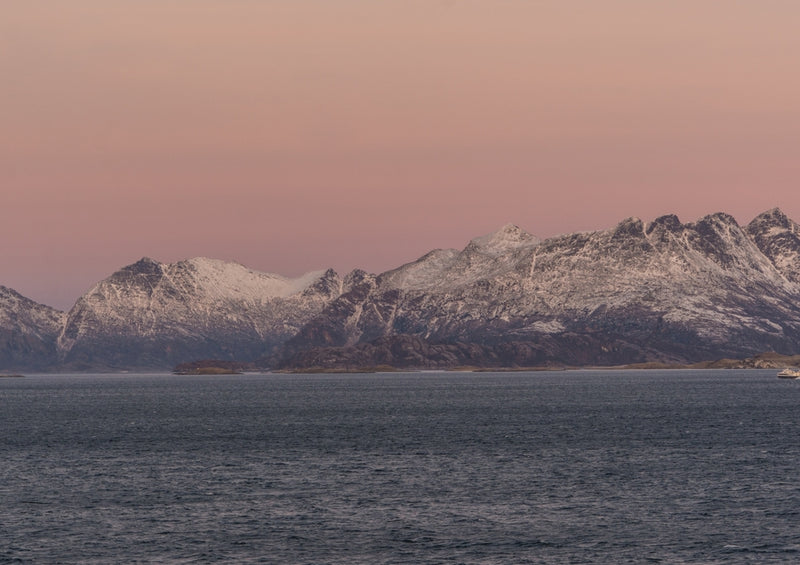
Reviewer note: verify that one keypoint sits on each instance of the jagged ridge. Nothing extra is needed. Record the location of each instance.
(151, 314)
(658, 291)
(663, 291)
(28, 332)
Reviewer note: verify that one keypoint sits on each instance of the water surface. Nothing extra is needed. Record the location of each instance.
(553, 467)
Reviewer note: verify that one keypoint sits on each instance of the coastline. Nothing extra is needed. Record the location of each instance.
(767, 360)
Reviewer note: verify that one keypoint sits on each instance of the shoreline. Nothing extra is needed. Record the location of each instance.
(764, 361)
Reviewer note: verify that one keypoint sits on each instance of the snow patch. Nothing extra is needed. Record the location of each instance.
(225, 277)
(508, 238)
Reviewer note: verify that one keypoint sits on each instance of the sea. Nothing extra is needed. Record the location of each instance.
(392, 468)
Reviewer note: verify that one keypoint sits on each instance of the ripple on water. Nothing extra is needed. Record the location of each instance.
(693, 467)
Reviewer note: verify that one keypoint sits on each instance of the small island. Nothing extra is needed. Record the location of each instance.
(212, 367)
(11, 376)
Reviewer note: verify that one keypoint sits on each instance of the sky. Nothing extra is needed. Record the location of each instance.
(296, 135)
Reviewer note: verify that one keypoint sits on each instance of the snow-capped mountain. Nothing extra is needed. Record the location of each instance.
(778, 238)
(640, 291)
(28, 332)
(151, 314)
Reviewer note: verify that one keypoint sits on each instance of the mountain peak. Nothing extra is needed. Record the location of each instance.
(632, 226)
(200, 261)
(778, 237)
(718, 218)
(507, 238)
(144, 266)
(769, 220)
(666, 223)
(146, 261)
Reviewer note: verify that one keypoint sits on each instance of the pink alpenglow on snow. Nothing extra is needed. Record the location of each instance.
(294, 136)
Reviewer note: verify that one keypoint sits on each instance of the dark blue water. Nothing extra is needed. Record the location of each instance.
(568, 467)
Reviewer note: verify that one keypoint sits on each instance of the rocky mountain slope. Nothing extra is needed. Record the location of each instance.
(28, 332)
(151, 314)
(659, 291)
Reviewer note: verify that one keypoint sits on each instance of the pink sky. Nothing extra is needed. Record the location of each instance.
(293, 135)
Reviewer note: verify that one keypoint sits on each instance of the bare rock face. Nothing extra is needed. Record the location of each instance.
(28, 332)
(778, 238)
(663, 291)
(660, 291)
(154, 315)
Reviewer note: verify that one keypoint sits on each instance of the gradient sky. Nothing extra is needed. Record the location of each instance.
(293, 135)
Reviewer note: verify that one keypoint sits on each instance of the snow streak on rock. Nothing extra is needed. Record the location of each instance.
(662, 291)
(153, 314)
(28, 332)
(640, 291)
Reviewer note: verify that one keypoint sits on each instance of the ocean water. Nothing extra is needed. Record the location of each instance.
(550, 467)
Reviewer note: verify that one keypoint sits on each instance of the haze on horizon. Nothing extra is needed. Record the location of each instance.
(294, 135)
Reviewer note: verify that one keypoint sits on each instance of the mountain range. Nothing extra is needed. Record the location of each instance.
(659, 291)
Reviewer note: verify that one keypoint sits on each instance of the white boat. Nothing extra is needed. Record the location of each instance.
(789, 373)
